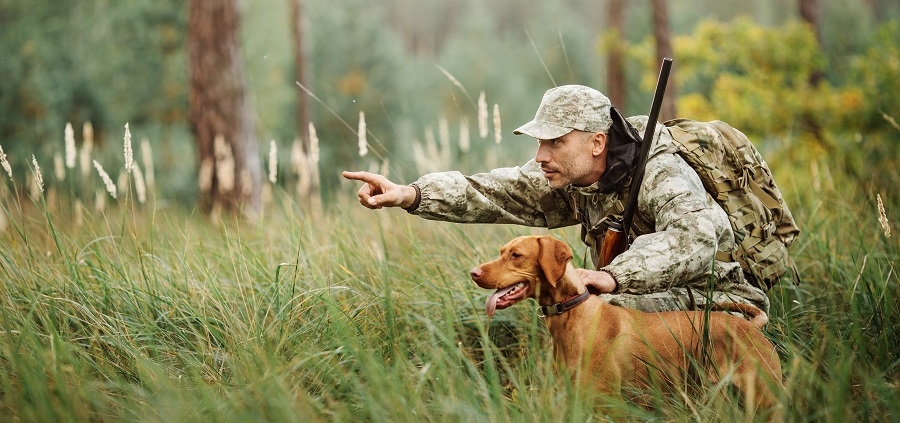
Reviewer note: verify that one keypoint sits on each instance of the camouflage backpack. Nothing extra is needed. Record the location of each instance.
(736, 176)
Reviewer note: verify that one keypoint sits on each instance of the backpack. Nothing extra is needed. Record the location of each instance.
(736, 176)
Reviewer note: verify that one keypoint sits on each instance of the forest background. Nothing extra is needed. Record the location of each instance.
(141, 307)
(403, 64)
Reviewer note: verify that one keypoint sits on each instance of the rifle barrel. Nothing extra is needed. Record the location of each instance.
(649, 131)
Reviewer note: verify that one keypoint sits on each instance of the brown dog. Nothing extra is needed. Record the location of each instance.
(611, 347)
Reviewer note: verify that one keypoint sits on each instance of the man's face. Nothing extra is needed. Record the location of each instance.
(577, 158)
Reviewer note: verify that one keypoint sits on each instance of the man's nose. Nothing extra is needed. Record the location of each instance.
(541, 156)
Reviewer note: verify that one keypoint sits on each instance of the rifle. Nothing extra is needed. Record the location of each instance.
(616, 241)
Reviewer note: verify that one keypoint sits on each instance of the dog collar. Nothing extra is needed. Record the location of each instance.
(560, 308)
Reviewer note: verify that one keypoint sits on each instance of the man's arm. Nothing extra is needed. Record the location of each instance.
(690, 227)
(514, 195)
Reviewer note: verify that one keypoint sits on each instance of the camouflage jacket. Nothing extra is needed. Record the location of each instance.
(682, 225)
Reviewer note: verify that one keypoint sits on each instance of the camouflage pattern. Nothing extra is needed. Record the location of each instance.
(686, 226)
(735, 174)
(729, 287)
(566, 108)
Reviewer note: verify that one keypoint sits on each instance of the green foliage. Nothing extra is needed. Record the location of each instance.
(148, 313)
(758, 79)
(107, 63)
(116, 62)
(355, 63)
(876, 73)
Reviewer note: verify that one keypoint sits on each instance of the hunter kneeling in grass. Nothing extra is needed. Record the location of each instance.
(685, 251)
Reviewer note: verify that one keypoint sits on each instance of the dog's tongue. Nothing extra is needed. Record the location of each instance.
(491, 304)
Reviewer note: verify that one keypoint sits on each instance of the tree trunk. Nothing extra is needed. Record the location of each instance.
(810, 12)
(664, 49)
(308, 191)
(615, 64)
(300, 72)
(220, 114)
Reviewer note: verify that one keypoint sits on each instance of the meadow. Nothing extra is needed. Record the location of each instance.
(148, 311)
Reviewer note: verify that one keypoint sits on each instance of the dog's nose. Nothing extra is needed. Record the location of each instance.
(475, 273)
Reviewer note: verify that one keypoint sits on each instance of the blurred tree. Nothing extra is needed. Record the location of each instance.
(220, 112)
(763, 87)
(876, 73)
(114, 62)
(423, 26)
(883, 10)
(615, 56)
(809, 13)
(357, 64)
(301, 74)
(300, 71)
(104, 62)
(664, 49)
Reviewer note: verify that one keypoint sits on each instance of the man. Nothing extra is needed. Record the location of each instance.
(581, 174)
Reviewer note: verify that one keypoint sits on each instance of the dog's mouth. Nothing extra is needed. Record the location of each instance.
(505, 297)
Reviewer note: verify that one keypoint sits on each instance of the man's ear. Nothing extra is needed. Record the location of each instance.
(554, 257)
(599, 142)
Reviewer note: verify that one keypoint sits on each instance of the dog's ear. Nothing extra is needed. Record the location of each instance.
(555, 255)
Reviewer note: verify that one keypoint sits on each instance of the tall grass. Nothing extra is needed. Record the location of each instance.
(156, 314)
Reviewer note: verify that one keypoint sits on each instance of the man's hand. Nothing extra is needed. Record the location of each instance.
(378, 191)
(597, 281)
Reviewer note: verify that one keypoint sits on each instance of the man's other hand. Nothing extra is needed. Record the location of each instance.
(597, 281)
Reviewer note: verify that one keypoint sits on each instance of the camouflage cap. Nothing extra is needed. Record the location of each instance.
(566, 108)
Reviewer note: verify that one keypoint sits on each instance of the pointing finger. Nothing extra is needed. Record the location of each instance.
(361, 176)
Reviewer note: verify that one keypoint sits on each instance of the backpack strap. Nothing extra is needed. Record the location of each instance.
(726, 256)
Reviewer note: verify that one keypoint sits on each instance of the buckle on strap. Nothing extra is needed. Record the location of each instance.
(560, 308)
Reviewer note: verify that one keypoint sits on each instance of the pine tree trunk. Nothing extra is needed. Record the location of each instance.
(810, 12)
(663, 50)
(308, 192)
(300, 72)
(615, 64)
(220, 114)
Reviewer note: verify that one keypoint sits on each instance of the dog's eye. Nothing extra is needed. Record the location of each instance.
(515, 255)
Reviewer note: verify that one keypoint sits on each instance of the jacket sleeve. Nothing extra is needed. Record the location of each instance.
(514, 195)
(690, 228)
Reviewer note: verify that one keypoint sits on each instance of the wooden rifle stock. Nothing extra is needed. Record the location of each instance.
(615, 240)
(614, 243)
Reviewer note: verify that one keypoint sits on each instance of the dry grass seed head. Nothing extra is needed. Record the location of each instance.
(5, 164)
(86, 149)
(498, 134)
(70, 146)
(59, 167)
(361, 135)
(139, 186)
(38, 178)
(273, 162)
(482, 116)
(110, 186)
(882, 217)
(147, 158)
(129, 154)
(464, 140)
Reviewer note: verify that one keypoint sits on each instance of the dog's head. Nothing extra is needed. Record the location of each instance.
(528, 266)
